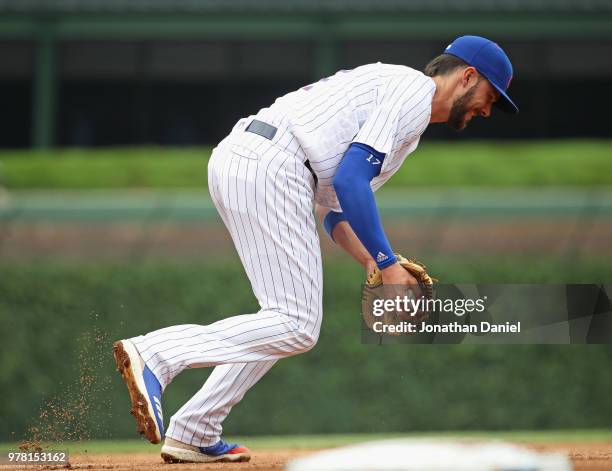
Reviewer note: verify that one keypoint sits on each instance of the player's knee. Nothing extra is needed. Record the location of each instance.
(308, 340)
(304, 339)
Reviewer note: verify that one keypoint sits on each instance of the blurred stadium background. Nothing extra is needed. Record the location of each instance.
(110, 109)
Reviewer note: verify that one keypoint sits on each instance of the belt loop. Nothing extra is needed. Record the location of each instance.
(309, 167)
(263, 129)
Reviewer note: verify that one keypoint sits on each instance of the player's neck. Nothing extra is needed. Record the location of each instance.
(442, 99)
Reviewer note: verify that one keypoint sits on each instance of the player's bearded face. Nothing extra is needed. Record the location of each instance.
(462, 107)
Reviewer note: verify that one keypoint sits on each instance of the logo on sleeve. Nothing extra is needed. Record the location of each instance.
(381, 257)
(158, 407)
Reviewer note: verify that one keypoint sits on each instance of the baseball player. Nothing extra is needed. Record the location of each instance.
(330, 145)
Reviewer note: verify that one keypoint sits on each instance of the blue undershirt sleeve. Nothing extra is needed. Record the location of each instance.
(359, 166)
(331, 219)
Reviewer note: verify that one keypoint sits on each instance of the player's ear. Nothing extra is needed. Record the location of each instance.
(469, 76)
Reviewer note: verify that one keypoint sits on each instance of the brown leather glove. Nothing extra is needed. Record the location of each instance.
(374, 290)
(416, 269)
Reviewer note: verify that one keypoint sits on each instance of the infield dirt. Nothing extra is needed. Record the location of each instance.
(585, 457)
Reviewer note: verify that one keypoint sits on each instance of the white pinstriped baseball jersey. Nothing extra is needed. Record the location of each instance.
(265, 196)
(385, 106)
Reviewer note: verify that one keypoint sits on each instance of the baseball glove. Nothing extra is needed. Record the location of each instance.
(374, 290)
(416, 269)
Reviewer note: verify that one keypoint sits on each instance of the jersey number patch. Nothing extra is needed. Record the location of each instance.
(373, 160)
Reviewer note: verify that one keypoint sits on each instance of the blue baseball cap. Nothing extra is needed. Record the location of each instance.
(491, 61)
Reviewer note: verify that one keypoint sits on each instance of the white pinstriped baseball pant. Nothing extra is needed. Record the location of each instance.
(264, 195)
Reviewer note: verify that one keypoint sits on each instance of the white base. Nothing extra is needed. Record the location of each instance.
(432, 455)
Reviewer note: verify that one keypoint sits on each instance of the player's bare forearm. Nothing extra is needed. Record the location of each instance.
(346, 238)
(348, 241)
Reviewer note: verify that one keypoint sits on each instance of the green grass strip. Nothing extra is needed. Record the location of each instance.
(464, 163)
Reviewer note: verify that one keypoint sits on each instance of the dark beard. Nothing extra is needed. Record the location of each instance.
(456, 117)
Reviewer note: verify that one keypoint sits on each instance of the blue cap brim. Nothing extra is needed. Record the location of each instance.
(504, 102)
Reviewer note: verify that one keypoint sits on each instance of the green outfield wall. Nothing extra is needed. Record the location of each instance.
(59, 320)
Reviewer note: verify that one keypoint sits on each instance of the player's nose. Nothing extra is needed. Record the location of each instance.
(486, 111)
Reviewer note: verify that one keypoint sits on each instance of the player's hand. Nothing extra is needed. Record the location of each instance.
(397, 275)
(370, 266)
